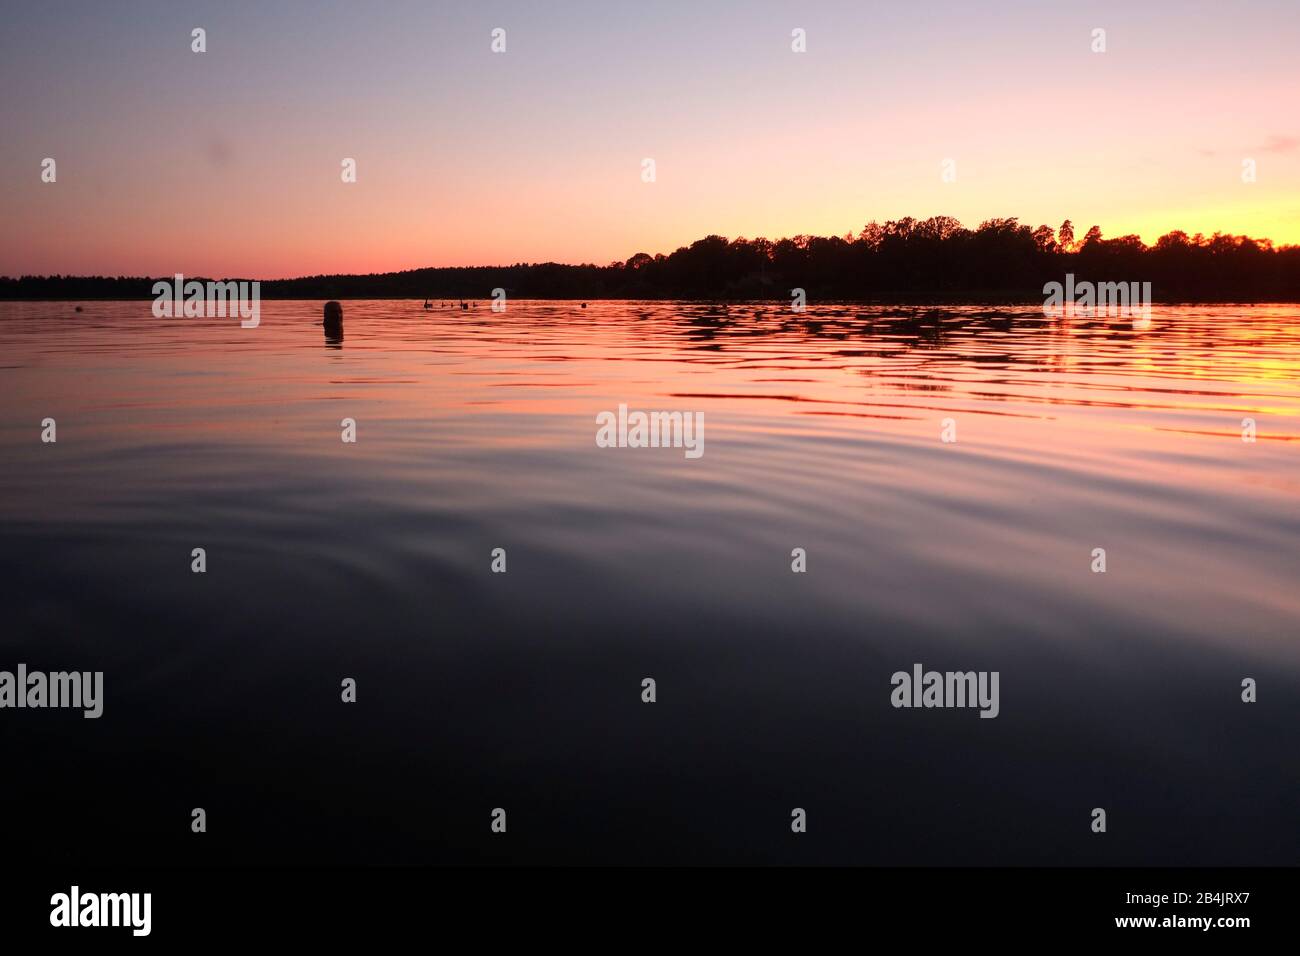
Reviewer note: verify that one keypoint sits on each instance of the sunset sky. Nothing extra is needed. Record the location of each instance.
(228, 162)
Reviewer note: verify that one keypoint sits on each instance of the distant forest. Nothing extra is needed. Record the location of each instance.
(935, 259)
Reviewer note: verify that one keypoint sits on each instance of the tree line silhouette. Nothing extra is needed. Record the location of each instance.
(936, 259)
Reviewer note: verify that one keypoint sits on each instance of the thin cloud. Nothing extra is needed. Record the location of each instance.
(1280, 144)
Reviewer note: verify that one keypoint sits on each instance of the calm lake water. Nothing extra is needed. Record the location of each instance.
(522, 690)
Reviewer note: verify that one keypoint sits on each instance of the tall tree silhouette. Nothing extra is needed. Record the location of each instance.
(1065, 236)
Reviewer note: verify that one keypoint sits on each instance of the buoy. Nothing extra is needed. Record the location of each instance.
(333, 320)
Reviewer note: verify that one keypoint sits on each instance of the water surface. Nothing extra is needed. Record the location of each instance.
(522, 690)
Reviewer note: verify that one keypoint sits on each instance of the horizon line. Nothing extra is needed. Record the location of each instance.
(955, 224)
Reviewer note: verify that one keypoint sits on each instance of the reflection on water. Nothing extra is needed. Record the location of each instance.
(477, 430)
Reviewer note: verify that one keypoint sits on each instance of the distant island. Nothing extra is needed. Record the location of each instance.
(936, 259)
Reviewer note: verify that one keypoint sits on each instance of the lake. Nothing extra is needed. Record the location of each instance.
(372, 560)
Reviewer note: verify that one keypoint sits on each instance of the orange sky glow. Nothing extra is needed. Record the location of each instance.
(228, 163)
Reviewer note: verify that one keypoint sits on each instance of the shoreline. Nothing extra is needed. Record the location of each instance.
(935, 301)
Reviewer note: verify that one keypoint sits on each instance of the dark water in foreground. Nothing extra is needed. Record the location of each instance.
(522, 690)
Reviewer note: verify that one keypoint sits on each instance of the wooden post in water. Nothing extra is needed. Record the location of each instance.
(333, 322)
